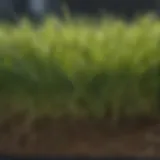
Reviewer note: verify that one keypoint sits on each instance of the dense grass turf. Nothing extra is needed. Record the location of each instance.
(81, 69)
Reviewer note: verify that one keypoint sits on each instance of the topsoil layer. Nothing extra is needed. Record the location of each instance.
(86, 138)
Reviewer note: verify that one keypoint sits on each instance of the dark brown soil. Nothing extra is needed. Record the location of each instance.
(50, 137)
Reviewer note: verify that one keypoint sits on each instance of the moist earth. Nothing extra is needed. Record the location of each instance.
(80, 138)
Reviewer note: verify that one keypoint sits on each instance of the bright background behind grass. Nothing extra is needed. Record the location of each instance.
(81, 69)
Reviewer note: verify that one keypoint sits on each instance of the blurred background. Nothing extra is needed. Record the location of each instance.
(36, 9)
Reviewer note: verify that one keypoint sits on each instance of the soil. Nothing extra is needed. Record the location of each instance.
(82, 138)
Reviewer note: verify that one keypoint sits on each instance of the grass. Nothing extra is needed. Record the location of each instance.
(81, 70)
